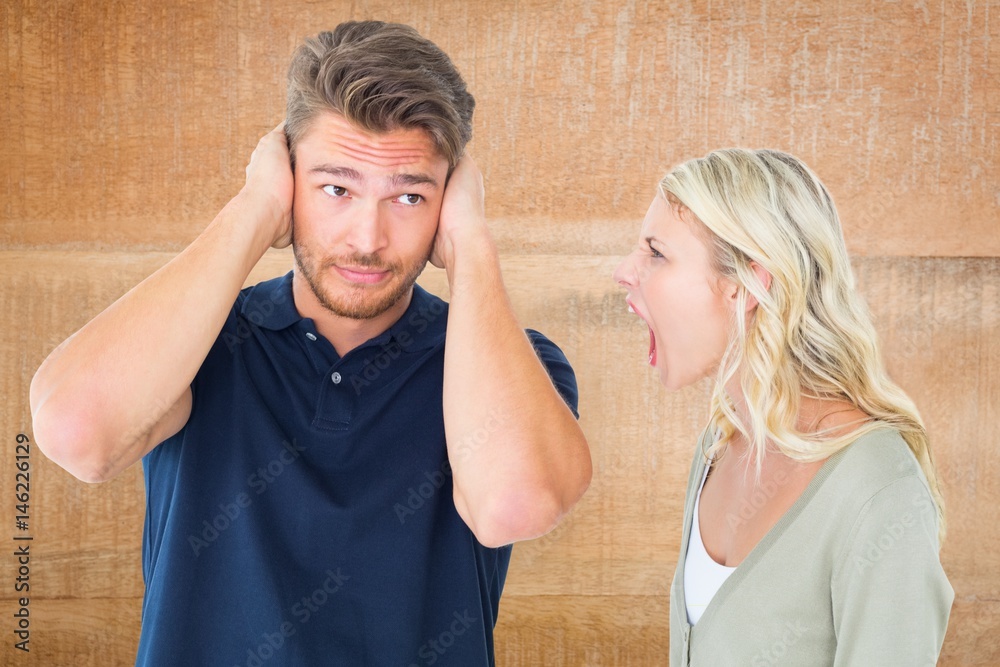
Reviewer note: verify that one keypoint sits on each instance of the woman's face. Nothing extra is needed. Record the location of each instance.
(672, 286)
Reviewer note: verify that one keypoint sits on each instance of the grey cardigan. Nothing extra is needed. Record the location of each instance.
(850, 575)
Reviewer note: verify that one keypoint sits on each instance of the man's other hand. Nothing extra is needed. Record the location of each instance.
(270, 184)
(463, 213)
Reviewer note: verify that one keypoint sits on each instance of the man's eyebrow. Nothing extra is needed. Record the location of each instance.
(400, 180)
(395, 181)
(338, 172)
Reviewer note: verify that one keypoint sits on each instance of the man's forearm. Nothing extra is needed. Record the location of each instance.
(97, 397)
(534, 464)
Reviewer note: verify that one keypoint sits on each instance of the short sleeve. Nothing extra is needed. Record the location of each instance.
(558, 368)
(891, 597)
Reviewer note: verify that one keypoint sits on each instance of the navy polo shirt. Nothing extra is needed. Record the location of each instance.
(304, 514)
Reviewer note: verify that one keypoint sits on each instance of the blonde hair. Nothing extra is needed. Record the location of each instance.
(810, 333)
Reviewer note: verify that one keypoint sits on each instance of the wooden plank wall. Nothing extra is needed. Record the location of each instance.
(124, 127)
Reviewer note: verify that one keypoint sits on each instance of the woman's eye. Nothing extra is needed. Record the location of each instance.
(335, 190)
(409, 200)
(654, 253)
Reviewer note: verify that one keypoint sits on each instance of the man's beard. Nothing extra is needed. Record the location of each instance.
(355, 303)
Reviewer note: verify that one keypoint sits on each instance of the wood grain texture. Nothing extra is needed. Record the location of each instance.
(99, 632)
(973, 639)
(591, 631)
(125, 126)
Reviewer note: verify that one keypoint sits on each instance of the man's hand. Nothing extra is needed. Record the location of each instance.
(463, 214)
(271, 186)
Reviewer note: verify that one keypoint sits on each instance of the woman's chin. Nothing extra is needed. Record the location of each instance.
(668, 380)
(674, 382)
(672, 388)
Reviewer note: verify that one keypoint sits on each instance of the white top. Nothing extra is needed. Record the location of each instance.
(702, 575)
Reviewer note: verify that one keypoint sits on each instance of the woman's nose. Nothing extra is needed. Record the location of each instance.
(625, 273)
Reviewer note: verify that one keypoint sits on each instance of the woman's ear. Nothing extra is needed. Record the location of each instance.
(762, 275)
(765, 279)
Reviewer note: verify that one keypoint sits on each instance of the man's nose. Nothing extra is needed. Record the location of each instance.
(368, 229)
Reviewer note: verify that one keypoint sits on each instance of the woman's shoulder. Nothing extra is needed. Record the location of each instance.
(881, 449)
(876, 462)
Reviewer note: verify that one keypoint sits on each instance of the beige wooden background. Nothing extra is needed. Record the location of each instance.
(124, 127)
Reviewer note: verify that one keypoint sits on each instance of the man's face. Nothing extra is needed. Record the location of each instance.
(365, 213)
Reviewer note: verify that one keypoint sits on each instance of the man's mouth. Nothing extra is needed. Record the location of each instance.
(363, 275)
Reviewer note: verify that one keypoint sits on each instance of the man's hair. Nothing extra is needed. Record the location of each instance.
(380, 77)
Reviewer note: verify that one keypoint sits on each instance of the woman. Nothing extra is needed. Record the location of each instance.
(813, 513)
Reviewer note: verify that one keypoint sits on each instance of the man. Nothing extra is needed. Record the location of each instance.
(329, 482)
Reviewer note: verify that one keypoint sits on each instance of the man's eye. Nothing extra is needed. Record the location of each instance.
(335, 190)
(409, 200)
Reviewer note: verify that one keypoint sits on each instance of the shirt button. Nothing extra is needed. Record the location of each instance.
(335, 377)
(310, 335)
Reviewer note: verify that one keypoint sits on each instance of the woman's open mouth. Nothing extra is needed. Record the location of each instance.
(652, 347)
(652, 336)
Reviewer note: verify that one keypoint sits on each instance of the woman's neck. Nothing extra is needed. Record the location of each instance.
(826, 417)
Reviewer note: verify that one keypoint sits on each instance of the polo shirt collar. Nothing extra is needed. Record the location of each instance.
(271, 305)
(422, 326)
